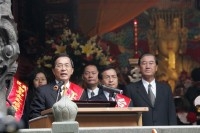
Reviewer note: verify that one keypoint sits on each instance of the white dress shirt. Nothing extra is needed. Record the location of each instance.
(153, 86)
(96, 91)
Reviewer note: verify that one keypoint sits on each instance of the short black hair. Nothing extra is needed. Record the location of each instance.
(35, 72)
(147, 54)
(90, 64)
(105, 68)
(56, 56)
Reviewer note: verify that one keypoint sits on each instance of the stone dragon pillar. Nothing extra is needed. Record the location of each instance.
(9, 51)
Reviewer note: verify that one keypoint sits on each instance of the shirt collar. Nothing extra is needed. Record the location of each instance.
(96, 91)
(67, 84)
(153, 84)
(145, 83)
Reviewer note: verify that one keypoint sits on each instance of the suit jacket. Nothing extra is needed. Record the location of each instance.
(29, 98)
(45, 98)
(100, 97)
(163, 111)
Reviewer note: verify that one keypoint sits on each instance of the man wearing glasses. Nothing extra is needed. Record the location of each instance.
(47, 95)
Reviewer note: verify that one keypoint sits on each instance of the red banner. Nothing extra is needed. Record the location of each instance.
(17, 97)
(74, 92)
(122, 101)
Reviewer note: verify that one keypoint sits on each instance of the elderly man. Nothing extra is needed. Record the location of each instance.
(47, 95)
(148, 92)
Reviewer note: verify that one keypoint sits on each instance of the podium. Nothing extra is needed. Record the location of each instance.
(96, 117)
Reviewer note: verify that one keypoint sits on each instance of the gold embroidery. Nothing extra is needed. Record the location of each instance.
(20, 94)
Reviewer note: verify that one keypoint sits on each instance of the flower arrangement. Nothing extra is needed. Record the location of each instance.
(81, 49)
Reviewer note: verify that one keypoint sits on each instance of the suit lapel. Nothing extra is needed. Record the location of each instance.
(84, 96)
(54, 93)
(158, 93)
(142, 92)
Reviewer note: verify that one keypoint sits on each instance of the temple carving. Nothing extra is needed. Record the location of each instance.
(167, 39)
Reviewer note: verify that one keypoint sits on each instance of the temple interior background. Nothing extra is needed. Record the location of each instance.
(120, 30)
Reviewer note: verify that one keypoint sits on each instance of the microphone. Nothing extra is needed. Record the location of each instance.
(110, 89)
(58, 87)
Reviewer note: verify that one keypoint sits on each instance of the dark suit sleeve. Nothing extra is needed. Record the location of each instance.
(171, 109)
(37, 105)
(44, 99)
(127, 92)
(84, 96)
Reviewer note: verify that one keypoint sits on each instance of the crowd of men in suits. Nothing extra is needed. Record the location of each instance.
(160, 101)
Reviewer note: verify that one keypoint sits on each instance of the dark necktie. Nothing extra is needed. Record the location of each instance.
(110, 97)
(151, 95)
(92, 94)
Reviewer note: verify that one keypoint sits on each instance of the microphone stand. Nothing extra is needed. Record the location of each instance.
(114, 96)
(110, 89)
(58, 86)
(59, 90)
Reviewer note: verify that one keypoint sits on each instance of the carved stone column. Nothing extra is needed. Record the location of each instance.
(9, 51)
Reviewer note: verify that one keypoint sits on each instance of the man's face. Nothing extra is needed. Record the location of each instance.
(109, 78)
(148, 66)
(63, 69)
(90, 76)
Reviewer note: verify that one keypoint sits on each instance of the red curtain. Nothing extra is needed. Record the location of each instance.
(97, 17)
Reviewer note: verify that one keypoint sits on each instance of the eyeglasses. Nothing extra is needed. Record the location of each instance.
(60, 66)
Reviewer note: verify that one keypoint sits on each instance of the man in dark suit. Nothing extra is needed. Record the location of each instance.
(155, 95)
(47, 95)
(90, 84)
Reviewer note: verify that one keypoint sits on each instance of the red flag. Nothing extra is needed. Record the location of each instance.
(122, 101)
(17, 97)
